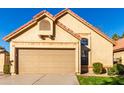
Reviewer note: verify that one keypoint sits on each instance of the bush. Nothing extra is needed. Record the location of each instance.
(6, 69)
(117, 69)
(111, 71)
(120, 69)
(98, 68)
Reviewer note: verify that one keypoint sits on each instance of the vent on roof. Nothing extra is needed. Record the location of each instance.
(45, 27)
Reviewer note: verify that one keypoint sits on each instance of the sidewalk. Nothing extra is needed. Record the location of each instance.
(2, 75)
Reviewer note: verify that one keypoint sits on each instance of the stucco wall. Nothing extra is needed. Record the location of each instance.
(119, 54)
(32, 35)
(101, 49)
(2, 59)
(74, 24)
(31, 39)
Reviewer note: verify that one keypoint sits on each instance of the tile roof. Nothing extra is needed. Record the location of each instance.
(43, 13)
(8, 37)
(70, 31)
(63, 12)
(119, 45)
(54, 18)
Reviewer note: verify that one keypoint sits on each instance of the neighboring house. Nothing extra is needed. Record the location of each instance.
(64, 43)
(4, 58)
(119, 51)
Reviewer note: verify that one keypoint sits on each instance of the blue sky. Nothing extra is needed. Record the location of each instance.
(110, 21)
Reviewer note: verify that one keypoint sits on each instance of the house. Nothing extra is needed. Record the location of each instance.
(64, 43)
(119, 51)
(4, 58)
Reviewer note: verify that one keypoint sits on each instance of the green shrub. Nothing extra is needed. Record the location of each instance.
(117, 69)
(111, 71)
(6, 69)
(120, 69)
(98, 68)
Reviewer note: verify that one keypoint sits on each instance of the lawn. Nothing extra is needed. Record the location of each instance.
(93, 80)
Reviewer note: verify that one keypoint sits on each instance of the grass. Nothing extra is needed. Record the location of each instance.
(93, 80)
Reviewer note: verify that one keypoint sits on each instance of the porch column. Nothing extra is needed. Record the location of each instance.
(12, 58)
(78, 58)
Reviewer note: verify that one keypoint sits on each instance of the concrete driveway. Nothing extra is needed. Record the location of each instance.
(39, 79)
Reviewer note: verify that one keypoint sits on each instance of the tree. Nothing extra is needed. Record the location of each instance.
(1, 47)
(115, 36)
(122, 35)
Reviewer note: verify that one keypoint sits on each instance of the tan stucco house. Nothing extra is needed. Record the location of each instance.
(64, 43)
(4, 58)
(119, 51)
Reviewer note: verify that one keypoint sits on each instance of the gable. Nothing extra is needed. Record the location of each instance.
(74, 24)
(70, 21)
(79, 25)
(31, 35)
(36, 18)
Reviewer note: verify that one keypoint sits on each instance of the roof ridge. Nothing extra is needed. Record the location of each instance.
(18, 29)
(29, 22)
(84, 22)
(42, 12)
(55, 18)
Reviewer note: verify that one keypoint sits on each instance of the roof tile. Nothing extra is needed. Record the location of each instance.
(119, 45)
(8, 37)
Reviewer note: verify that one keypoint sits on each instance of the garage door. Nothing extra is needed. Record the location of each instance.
(46, 60)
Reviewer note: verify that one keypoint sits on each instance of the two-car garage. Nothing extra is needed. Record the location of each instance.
(45, 61)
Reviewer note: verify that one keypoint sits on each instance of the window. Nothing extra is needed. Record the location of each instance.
(84, 41)
(45, 25)
(84, 57)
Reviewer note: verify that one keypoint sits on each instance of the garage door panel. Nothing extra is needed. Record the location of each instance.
(46, 60)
